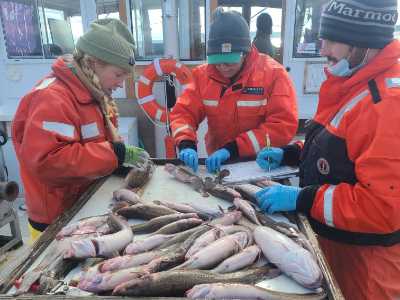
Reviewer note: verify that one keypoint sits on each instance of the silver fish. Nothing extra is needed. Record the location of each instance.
(85, 226)
(217, 251)
(158, 222)
(239, 261)
(179, 226)
(245, 292)
(288, 256)
(246, 208)
(146, 244)
(212, 235)
(145, 211)
(101, 282)
(105, 246)
(176, 283)
(128, 261)
(126, 196)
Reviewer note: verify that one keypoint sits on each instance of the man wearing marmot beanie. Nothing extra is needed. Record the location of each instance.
(350, 162)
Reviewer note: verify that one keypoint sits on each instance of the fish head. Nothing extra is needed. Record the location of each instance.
(81, 249)
(199, 291)
(91, 284)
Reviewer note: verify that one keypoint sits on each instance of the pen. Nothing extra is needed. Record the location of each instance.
(268, 146)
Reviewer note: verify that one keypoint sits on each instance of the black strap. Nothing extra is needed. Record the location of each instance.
(373, 88)
(38, 226)
(355, 238)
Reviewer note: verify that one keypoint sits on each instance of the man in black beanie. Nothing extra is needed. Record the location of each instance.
(350, 162)
(262, 40)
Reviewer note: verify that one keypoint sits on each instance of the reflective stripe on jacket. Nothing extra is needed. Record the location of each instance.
(61, 143)
(261, 101)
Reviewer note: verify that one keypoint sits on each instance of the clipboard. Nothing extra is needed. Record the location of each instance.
(250, 171)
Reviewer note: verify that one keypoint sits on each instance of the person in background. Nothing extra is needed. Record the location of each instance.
(262, 40)
(65, 129)
(246, 97)
(350, 162)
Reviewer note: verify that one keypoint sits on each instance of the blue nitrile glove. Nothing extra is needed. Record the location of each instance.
(278, 198)
(190, 158)
(270, 158)
(134, 155)
(215, 160)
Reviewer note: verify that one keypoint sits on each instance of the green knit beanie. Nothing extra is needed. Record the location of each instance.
(110, 41)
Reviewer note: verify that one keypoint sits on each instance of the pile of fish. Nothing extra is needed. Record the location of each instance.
(180, 249)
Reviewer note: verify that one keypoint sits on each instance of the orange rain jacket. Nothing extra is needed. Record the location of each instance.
(61, 143)
(260, 101)
(350, 170)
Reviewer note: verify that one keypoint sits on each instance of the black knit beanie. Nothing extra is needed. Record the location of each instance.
(359, 23)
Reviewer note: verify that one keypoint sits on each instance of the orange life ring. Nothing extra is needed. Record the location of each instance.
(144, 85)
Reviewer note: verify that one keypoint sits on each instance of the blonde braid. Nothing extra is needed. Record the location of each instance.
(107, 104)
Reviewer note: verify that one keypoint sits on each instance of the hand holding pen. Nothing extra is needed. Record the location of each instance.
(269, 158)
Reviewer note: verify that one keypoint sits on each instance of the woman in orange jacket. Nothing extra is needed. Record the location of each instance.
(245, 96)
(65, 129)
(350, 162)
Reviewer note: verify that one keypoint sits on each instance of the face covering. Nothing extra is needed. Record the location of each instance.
(342, 67)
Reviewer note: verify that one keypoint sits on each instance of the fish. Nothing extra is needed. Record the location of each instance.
(245, 292)
(102, 282)
(183, 236)
(206, 209)
(184, 175)
(282, 227)
(176, 283)
(217, 251)
(248, 191)
(180, 207)
(246, 208)
(139, 174)
(228, 218)
(179, 173)
(125, 195)
(214, 233)
(147, 244)
(96, 224)
(158, 222)
(239, 261)
(292, 259)
(174, 255)
(104, 246)
(145, 211)
(221, 191)
(179, 226)
(129, 261)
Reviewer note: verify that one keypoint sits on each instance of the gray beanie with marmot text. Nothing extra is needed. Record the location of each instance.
(359, 23)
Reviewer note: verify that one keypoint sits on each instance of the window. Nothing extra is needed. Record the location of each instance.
(40, 28)
(306, 41)
(239, 9)
(107, 9)
(192, 30)
(276, 15)
(61, 26)
(147, 29)
(21, 29)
